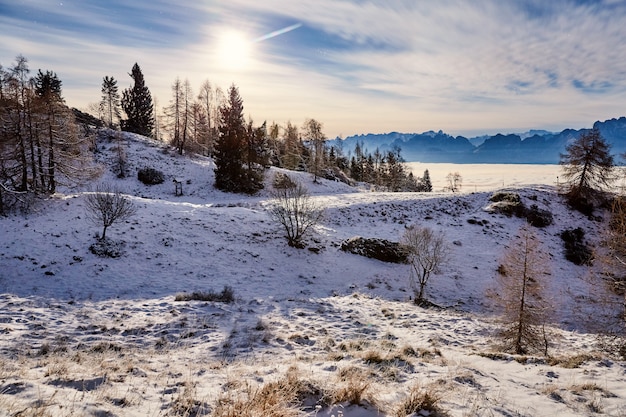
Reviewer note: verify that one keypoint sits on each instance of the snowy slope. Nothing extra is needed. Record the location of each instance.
(96, 336)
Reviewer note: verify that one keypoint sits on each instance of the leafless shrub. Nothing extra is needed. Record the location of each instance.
(428, 250)
(106, 206)
(295, 212)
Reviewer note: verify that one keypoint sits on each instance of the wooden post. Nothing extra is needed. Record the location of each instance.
(178, 185)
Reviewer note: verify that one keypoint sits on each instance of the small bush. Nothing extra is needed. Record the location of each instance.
(227, 296)
(505, 196)
(581, 204)
(538, 217)
(150, 176)
(576, 250)
(282, 181)
(107, 248)
(510, 204)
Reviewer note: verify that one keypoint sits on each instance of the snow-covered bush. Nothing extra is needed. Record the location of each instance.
(150, 176)
(226, 296)
(576, 250)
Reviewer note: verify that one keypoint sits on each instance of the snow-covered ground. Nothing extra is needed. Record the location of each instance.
(89, 336)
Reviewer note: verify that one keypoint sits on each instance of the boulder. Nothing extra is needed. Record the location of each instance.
(380, 249)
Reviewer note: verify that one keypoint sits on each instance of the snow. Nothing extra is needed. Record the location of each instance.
(84, 335)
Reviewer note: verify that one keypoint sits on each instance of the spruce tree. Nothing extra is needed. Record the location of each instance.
(426, 184)
(230, 145)
(48, 90)
(110, 103)
(137, 104)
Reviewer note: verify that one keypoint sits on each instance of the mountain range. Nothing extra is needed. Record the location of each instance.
(533, 147)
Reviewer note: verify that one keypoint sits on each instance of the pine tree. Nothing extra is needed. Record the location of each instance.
(137, 104)
(395, 170)
(230, 145)
(48, 90)
(256, 157)
(425, 183)
(110, 103)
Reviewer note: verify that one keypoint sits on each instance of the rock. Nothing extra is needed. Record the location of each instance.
(380, 249)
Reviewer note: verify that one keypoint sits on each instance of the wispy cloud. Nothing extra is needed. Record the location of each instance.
(356, 65)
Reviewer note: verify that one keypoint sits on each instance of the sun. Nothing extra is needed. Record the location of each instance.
(234, 50)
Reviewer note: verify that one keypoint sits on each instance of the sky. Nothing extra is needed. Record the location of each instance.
(357, 66)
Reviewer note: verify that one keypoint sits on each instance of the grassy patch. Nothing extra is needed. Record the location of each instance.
(227, 295)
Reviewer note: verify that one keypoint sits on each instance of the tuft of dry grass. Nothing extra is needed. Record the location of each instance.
(421, 400)
(571, 362)
(580, 389)
(354, 387)
(187, 404)
(280, 398)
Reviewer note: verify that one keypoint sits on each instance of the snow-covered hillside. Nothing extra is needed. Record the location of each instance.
(85, 335)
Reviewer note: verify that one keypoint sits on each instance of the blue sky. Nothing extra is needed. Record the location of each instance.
(357, 66)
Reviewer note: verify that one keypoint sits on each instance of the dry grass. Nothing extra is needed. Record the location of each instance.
(280, 398)
(580, 389)
(421, 400)
(354, 387)
(187, 404)
(571, 362)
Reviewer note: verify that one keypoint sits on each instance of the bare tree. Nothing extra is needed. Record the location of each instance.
(312, 131)
(610, 286)
(455, 181)
(520, 294)
(106, 206)
(428, 250)
(294, 210)
(122, 159)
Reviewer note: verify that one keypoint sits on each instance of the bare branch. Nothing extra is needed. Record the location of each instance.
(294, 210)
(428, 250)
(106, 206)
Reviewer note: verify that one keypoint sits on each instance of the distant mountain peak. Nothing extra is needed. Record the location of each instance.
(533, 146)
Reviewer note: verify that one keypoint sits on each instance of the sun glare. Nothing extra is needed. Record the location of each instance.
(233, 50)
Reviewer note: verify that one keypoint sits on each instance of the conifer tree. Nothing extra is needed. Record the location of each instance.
(425, 183)
(137, 104)
(229, 148)
(48, 90)
(110, 103)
